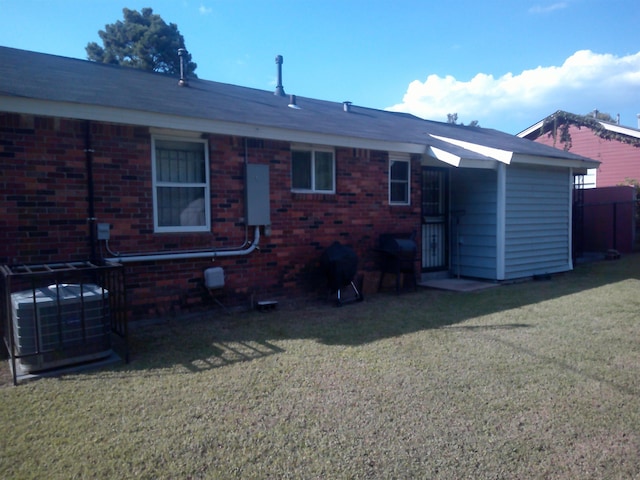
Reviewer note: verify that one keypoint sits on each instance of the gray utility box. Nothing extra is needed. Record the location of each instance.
(60, 325)
(257, 195)
(214, 278)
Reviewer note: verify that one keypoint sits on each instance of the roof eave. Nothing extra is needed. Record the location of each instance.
(203, 125)
(536, 127)
(584, 163)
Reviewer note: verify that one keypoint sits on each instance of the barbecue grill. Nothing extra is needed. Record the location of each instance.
(397, 256)
(340, 264)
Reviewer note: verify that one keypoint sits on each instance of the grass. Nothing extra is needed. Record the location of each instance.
(531, 380)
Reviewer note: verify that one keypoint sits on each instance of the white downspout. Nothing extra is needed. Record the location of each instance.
(153, 257)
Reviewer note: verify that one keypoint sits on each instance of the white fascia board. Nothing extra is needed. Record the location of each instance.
(445, 156)
(554, 162)
(503, 156)
(191, 124)
(630, 132)
(480, 164)
(460, 162)
(530, 130)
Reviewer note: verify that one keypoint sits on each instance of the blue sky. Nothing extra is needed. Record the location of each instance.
(505, 63)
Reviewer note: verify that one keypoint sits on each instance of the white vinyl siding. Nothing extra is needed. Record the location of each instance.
(537, 218)
(473, 237)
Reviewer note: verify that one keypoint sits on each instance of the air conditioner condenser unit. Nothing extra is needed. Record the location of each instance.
(60, 325)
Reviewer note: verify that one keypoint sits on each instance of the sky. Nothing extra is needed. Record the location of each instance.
(504, 63)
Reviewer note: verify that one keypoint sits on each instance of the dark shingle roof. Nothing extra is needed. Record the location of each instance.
(36, 76)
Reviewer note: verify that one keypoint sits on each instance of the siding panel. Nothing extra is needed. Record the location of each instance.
(537, 221)
(474, 192)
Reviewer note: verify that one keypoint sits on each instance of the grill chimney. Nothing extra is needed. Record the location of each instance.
(183, 80)
(279, 88)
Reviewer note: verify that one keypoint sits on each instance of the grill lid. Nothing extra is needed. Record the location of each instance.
(392, 243)
(340, 264)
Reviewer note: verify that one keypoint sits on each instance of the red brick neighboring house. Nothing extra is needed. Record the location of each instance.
(121, 165)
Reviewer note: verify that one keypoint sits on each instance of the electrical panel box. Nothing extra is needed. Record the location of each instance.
(257, 195)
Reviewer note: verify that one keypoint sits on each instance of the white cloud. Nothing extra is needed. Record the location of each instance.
(204, 10)
(585, 80)
(548, 8)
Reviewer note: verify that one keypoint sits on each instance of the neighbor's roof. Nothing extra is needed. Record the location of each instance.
(42, 84)
(612, 127)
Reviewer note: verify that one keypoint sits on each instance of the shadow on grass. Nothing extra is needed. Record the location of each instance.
(563, 365)
(212, 340)
(506, 326)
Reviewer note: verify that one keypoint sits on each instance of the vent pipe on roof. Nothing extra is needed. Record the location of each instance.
(346, 106)
(638, 117)
(293, 103)
(617, 118)
(279, 88)
(183, 80)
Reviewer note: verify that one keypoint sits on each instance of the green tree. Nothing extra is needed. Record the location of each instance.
(143, 40)
(453, 119)
(598, 115)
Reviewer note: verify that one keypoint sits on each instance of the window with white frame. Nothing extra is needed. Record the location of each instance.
(180, 169)
(312, 170)
(399, 179)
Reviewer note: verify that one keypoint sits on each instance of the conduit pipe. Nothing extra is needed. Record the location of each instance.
(91, 218)
(153, 257)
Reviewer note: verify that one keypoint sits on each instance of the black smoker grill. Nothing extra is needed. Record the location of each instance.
(340, 264)
(397, 256)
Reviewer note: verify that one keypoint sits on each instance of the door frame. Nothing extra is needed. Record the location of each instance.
(434, 219)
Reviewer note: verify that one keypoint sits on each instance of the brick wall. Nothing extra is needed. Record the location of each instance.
(44, 211)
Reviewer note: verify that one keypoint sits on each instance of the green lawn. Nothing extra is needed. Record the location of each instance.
(531, 380)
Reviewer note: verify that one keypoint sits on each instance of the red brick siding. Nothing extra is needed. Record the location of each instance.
(619, 160)
(44, 211)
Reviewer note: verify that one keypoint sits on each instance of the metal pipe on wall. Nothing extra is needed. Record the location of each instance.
(91, 219)
(188, 255)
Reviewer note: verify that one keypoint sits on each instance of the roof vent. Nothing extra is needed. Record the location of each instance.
(279, 88)
(292, 103)
(183, 80)
(346, 106)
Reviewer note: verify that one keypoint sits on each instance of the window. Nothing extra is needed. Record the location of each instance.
(312, 170)
(399, 170)
(180, 185)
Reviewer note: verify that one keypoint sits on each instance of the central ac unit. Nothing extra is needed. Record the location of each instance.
(60, 325)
